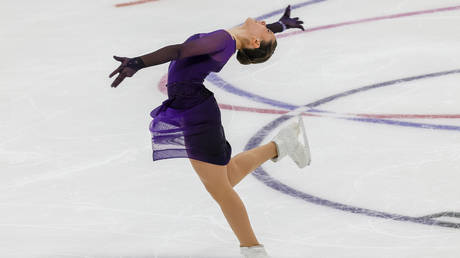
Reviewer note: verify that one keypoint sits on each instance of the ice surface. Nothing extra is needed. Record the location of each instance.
(77, 178)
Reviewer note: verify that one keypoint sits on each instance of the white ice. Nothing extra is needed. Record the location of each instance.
(77, 177)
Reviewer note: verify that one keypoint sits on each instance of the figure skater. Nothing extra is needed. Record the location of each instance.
(188, 123)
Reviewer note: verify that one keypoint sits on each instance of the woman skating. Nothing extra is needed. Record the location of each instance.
(188, 123)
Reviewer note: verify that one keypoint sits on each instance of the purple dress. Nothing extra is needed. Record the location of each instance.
(188, 124)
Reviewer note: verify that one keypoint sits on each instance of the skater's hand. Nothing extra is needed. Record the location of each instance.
(291, 22)
(124, 71)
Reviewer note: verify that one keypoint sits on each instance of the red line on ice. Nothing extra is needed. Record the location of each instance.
(405, 116)
(134, 3)
(392, 16)
(162, 88)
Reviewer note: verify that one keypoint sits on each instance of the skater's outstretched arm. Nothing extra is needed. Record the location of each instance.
(285, 22)
(211, 43)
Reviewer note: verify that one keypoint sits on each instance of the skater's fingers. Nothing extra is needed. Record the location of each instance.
(118, 80)
(116, 71)
(287, 12)
(121, 59)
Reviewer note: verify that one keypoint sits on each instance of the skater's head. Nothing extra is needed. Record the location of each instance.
(257, 42)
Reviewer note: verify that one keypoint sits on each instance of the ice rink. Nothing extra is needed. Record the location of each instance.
(379, 83)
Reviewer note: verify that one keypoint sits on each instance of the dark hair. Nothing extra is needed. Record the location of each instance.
(257, 55)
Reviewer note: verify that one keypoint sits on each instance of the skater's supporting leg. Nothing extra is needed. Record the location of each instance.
(215, 180)
(245, 162)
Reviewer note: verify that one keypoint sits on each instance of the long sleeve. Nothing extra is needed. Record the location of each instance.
(208, 44)
(162, 55)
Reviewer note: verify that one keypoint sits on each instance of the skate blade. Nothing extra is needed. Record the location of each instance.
(304, 134)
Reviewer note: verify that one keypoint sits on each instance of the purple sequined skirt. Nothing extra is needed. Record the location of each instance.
(188, 125)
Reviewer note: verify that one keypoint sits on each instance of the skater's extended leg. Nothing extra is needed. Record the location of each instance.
(215, 180)
(245, 162)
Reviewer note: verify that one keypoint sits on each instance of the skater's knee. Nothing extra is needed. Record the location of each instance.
(233, 172)
(218, 189)
(218, 192)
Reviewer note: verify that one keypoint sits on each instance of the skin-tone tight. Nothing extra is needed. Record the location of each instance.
(220, 180)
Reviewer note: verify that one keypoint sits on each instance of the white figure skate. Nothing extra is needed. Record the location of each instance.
(257, 251)
(287, 143)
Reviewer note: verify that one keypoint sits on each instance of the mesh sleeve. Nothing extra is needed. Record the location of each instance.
(162, 55)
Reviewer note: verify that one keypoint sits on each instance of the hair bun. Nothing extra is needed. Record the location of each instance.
(242, 57)
(257, 55)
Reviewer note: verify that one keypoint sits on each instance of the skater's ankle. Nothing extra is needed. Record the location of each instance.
(249, 244)
(275, 148)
